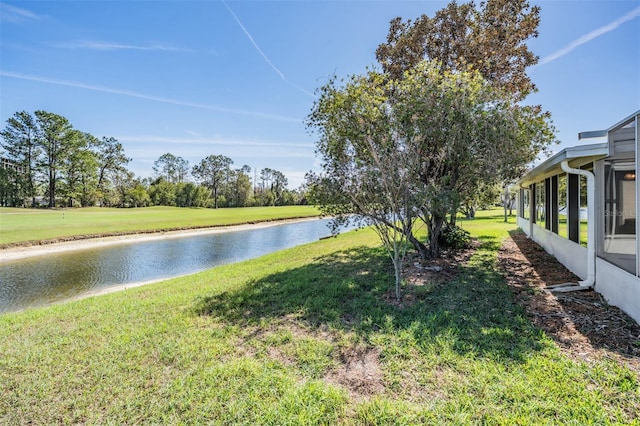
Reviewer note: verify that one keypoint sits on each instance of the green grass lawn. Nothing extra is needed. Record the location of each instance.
(563, 229)
(305, 336)
(19, 225)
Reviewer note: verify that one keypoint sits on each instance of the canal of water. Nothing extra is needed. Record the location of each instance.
(51, 278)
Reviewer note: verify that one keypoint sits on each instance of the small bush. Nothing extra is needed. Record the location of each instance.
(454, 237)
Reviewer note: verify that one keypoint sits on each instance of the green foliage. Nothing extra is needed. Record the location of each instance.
(44, 155)
(490, 38)
(20, 146)
(191, 195)
(454, 237)
(137, 196)
(171, 168)
(57, 139)
(211, 172)
(239, 190)
(75, 168)
(415, 146)
(13, 188)
(162, 193)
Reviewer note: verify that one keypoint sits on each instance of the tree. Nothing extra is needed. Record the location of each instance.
(111, 161)
(73, 165)
(464, 130)
(173, 169)
(79, 170)
(279, 186)
(12, 187)
(481, 195)
(442, 132)
(191, 195)
(137, 195)
(211, 172)
(273, 183)
(163, 192)
(20, 145)
(182, 170)
(239, 190)
(490, 40)
(368, 169)
(129, 191)
(56, 139)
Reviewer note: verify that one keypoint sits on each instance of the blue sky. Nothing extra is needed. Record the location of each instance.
(237, 78)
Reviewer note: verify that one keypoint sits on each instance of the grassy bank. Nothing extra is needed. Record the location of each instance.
(304, 336)
(20, 225)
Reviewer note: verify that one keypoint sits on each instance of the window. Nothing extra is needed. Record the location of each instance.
(563, 207)
(540, 204)
(525, 205)
(620, 213)
(584, 207)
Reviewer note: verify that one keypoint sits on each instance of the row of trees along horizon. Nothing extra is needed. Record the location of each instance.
(44, 157)
(442, 117)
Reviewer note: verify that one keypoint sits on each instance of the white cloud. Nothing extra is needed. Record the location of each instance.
(193, 149)
(14, 14)
(152, 98)
(199, 140)
(107, 46)
(590, 36)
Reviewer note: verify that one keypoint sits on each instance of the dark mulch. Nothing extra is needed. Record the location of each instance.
(581, 322)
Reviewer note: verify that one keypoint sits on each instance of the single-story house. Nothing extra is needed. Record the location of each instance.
(581, 205)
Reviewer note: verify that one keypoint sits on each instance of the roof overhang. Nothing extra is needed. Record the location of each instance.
(578, 156)
(604, 133)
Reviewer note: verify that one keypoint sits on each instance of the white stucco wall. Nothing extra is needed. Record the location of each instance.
(570, 254)
(618, 287)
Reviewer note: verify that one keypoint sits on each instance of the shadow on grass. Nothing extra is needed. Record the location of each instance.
(489, 242)
(473, 314)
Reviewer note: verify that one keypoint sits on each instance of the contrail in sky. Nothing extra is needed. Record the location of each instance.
(103, 89)
(264, 56)
(106, 45)
(254, 42)
(15, 14)
(590, 36)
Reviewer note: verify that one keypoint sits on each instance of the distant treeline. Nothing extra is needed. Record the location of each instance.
(45, 161)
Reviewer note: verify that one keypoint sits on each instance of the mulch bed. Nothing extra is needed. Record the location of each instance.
(583, 324)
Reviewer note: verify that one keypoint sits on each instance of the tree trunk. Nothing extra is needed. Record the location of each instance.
(452, 218)
(435, 229)
(397, 266)
(52, 190)
(422, 249)
(505, 201)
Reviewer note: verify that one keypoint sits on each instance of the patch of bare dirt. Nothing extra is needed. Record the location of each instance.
(359, 372)
(420, 273)
(583, 324)
(358, 367)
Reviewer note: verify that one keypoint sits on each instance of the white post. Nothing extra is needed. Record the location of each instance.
(637, 196)
(591, 215)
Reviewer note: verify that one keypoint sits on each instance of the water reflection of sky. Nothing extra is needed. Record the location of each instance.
(46, 279)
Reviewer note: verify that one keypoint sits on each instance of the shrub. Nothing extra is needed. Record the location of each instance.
(454, 237)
